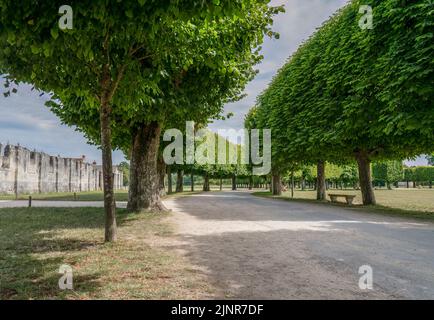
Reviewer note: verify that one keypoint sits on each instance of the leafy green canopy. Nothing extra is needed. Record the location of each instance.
(348, 90)
(168, 62)
(127, 36)
(217, 170)
(388, 171)
(419, 174)
(204, 65)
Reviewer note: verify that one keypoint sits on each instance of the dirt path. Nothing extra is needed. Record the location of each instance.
(254, 248)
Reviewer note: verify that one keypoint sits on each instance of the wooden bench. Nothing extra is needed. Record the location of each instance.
(348, 198)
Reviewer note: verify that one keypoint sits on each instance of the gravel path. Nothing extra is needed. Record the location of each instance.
(254, 248)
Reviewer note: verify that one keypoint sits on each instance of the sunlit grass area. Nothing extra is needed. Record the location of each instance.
(35, 242)
(412, 202)
(121, 195)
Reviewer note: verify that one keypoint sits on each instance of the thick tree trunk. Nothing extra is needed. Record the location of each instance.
(192, 181)
(221, 184)
(234, 182)
(364, 164)
(276, 184)
(144, 193)
(107, 165)
(162, 173)
(206, 183)
(321, 181)
(180, 180)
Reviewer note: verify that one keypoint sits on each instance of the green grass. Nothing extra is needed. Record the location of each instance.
(414, 203)
(121, 195)
(34, 242)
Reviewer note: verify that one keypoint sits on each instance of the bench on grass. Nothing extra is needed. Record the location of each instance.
(348, 198)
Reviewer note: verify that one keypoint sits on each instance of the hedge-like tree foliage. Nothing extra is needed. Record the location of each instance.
(388, 172)
(419, 174)
(349, 92)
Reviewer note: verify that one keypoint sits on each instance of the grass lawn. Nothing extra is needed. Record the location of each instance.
(417, 203)
(121, 195)
(35, 242)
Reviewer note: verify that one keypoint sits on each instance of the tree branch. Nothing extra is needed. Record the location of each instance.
(118, 79)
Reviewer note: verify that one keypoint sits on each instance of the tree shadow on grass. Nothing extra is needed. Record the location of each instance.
(24, 276)
(35, 242)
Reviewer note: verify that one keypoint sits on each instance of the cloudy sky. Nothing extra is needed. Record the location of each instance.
(299, 21)
(25, 120)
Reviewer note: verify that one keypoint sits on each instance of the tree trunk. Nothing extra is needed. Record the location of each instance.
(292, 184)
(320, 181)
(364, 164)
(180, 181)
(250, 182)
(144, 193)
(192, 181)
(276, 185)
(169, 180)
(221, 184)
(107, 165)
(162, 173)
(234, 182)
(206, 182)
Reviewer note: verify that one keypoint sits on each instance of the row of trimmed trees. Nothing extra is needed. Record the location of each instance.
(211, 144)
(384, 174)
(420, 175)
(130, 69)
(350, 94)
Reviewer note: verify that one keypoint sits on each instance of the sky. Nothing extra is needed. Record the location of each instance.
(25, 120)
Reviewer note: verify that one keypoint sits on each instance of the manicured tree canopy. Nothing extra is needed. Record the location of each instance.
(222, 170)
(111, 59)
(420, 174)
(349, 92)
(388, 172)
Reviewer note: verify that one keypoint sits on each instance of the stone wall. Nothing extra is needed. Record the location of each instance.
(25, 172)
